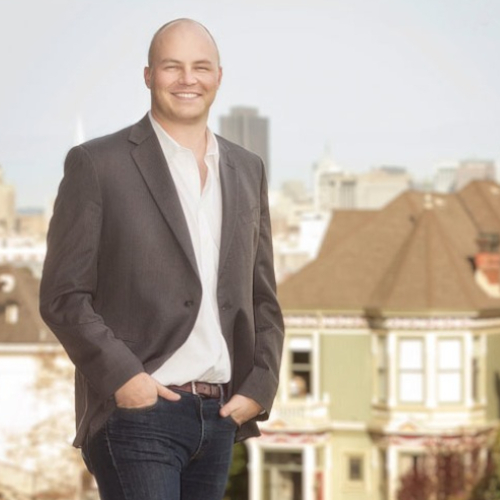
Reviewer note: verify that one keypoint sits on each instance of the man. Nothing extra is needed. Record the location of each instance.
(159, 283)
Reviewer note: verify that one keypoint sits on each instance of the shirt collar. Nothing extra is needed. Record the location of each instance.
(171, 147)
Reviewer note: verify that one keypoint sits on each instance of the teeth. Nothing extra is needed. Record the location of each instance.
(186, 95)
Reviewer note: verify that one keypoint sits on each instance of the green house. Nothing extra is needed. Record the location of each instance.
(392, 353)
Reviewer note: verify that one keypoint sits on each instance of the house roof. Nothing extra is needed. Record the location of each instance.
(344, 223)
(482, 202)
(414, 255)
(23, 294)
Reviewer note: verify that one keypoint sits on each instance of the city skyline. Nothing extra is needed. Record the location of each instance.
(404, 83)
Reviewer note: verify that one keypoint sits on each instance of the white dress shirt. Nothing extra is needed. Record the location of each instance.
(204, 356)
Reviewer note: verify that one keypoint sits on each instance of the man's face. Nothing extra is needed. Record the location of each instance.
(184, 75)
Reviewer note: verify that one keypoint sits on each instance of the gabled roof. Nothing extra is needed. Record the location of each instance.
(414, 255)
(29, 327)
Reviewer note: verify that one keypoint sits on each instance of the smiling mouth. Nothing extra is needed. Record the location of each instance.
(186, 95)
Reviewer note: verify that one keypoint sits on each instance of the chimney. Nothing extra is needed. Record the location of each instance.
(487, 263)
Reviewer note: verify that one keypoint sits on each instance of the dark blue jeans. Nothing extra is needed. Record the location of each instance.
(174, 450)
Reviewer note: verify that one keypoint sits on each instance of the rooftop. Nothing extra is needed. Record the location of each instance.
(413, 256)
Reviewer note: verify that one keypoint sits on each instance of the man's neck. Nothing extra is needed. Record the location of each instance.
(190, 136)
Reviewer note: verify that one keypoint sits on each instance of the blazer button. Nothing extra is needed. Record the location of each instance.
(225, 307)
(189, 303)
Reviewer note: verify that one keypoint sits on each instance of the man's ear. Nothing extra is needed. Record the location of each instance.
(147, 76)
(219, 79)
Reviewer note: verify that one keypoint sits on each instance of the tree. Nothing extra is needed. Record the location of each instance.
(45, 449)
(237, 484)
(449, 469)
(415, 485)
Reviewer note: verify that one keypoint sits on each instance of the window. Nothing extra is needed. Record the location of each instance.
(411, 371)
(449, 370)
(434, 369)
(355, 469)
(300, 367)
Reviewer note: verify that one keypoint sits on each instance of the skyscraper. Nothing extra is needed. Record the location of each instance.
(245, 127)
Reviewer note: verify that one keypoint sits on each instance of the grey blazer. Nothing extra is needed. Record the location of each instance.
(120, 287)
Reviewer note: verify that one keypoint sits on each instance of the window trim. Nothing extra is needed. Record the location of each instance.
(312, 339)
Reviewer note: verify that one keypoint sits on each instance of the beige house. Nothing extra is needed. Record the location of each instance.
(36, 400)
(392, 351)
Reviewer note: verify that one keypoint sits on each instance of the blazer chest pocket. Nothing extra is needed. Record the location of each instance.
(250, 215)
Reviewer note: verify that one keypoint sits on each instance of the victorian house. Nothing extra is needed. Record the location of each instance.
(392, 351)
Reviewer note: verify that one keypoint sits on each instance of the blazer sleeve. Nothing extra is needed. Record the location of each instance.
(69, 281)
(262, 382)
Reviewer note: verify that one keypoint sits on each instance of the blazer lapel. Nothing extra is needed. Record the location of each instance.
(153, 167)
(229, 187)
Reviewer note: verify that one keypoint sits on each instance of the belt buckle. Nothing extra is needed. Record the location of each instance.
(193, 387)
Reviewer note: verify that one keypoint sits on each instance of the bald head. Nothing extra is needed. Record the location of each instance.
(183, 75)
(180, 24)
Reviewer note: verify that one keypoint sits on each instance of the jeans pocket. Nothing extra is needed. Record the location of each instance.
(140, 409)
(230, 420)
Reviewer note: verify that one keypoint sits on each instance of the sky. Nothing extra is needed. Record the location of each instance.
(401, 82)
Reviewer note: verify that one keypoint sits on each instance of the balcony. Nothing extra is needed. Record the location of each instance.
(301, 414)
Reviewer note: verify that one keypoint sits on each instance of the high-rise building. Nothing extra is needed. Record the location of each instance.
(335, 189)
(445, 178)
(245, 127)
(381, 185)
(471, 170)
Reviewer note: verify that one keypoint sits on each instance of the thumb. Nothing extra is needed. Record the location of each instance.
(166, 393)
(227, 409)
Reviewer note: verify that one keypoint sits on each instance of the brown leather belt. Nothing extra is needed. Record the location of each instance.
(200, 388)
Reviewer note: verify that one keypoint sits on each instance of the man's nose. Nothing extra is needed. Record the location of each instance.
(187, 77)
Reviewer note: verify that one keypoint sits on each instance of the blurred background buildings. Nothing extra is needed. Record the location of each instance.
(391, 297)
(245, 127)
(386, 255)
